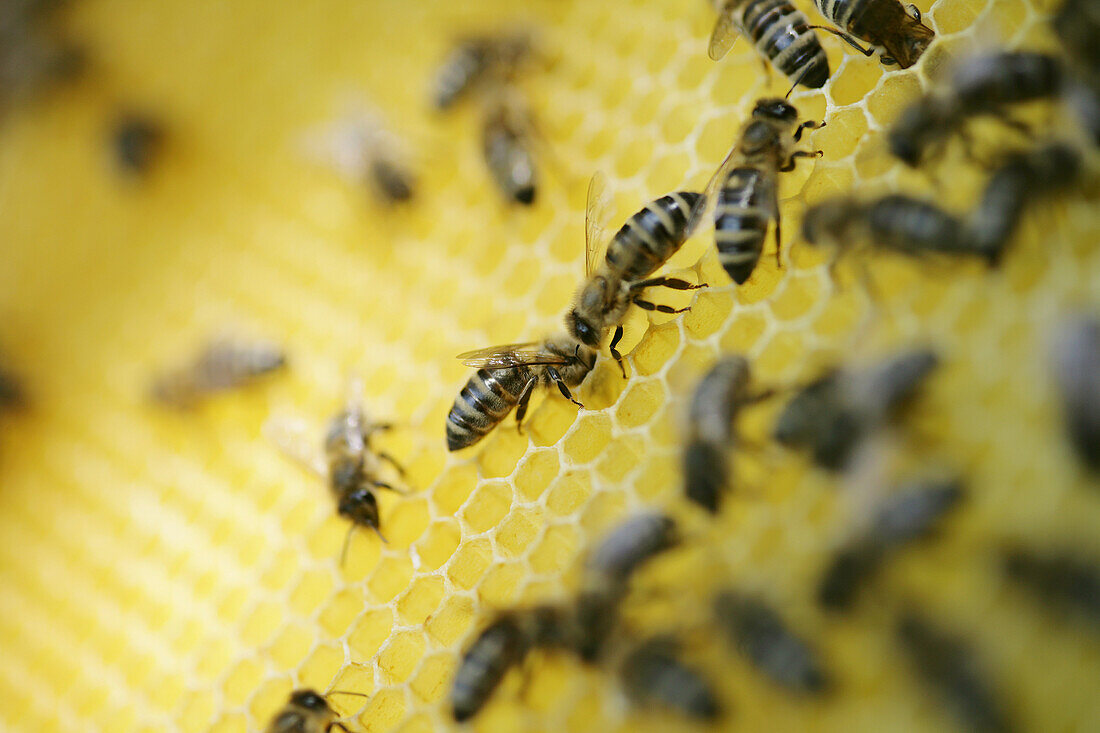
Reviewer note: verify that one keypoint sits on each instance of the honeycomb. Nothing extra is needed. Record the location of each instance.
(170, 572)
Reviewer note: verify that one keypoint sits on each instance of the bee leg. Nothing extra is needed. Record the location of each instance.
(807, 125)
(562, 386)
(521, 405)
(393, 462)
(387, 487)
(778, 240)
(646, 305)
(615, 352)
(789, 166)
(339, 725)
(674, 283)
(847, 39)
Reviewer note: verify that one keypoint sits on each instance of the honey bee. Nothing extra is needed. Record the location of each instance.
(947, 665)
(504, 644)
(896, 223)
(714, 406)
(136, 140)
(1077, 372)
(360, 149)
(882, 23)
(12, 394)
(653, 674)
(833, 414)
(1077, 23)
(1062, 581)
(782, 34)
(307, 712)
(1023, 179)
(506, 143)
(607, 572)
(351, 466)
(32, 56)
(474, 60)
(505, 378)
(912, 514)
(222, 365)
(744, 186)
(981, 86)
(758, 631)
(644, 243)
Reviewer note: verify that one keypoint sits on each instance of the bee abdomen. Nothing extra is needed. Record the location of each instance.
(509, 161)
(740, 223)
(485, 400)
(840, 12)
(458, 73)
(910, 225)
(706, 473)
(783, 34)
(483, 667)
(651, 236)
(629, 545)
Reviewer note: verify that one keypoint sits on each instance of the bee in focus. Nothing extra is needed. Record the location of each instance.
(834, 414)
(882, 23)
(896, 223)
(758, 631)
(980, 86)
(478, 61)
(505, 378)
(136, 140)
(947, 665)
(1064, 582)
(307, 712)
(223, 365)
(654, 675)
(782, 34)
(913, 513)
(359, 148)
(352, 467)
(644, 243)
(1076, 357)
(1023, 180)
(743, 189)
(719, 396)
(506, 139)
(504, 644)
(607, 573)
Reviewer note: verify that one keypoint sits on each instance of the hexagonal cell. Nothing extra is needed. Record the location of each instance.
(452, 621)
(401, 655)
(588, 438)
(453, 488)
(322, 664)
(311, 591)
(535, 473)
(487, 506)
(569, 492)
(470, 563)
(370, 630)
(420, 600)
(501, 584)
(390, 578)
(516, 532)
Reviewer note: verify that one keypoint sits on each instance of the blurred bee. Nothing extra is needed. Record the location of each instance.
(504, 644)
(912, 514)
(744, 186)
(983, 85)
(607, 572)
(473, 61)
(136, 140)
(360, 149)
(12, 394)
(1062, 581)
(351, 466)
(947, 665)
(221, 366)
(714, 406)
(653, 674)
(759, 633)
(32, 56)
(307, 712)
(644, 243)
(833, 415)
(506, 142)
(1077, 23)
(896, 223)
(781, 33)
(1077, 372)
(1022, 180)
(882, 23)
(505, 378)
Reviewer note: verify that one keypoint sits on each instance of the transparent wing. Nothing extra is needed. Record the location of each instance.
(510, 355)
(710, 193)
(723, 36)
(292, 437)
(596, 213)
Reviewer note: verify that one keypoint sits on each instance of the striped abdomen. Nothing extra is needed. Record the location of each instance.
(782, 34)
(500, 646)
(840, 12)
(651, 236)
(745, 206)
(483, 403)
(509, 160)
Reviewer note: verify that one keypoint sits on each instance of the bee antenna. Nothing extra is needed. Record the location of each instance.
(380, 535)
(805, 70)
(347, 544)
(346, 692)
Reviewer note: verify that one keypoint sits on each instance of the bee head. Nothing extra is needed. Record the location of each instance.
(775, 109)
(309, 700)
(584, 331)
(360, 506)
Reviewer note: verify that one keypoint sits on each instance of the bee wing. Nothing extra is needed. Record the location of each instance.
(595, 218)
(291, 437)
(723, 36)
(710, 192)
(510, 355)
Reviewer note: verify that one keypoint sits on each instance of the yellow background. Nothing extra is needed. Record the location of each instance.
(162, 571)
